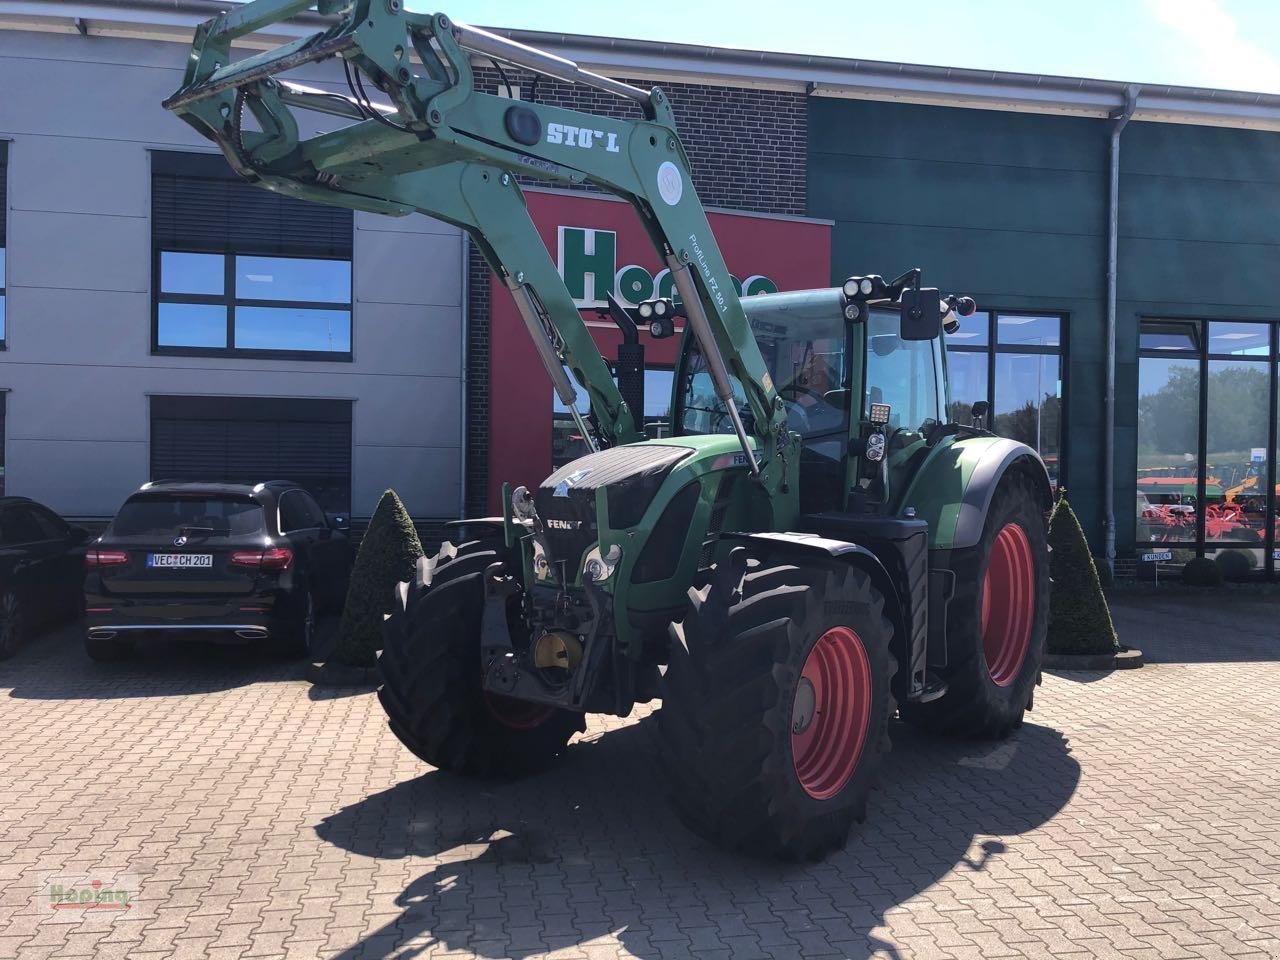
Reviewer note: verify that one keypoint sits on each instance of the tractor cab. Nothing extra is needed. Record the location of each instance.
(863, 398)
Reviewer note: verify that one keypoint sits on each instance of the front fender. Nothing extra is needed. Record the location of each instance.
(953, 489)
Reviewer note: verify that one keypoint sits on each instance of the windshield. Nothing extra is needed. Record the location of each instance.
(802, 338)
(195, 517)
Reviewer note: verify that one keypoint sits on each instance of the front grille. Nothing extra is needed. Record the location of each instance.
(569, 526)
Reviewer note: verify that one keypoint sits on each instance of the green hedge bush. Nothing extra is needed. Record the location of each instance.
(1079, 618)
(388, 553)
(1202, 572)
(1236, 565)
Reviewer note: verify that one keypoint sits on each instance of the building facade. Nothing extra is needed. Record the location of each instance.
(162, 320)
(136, 335)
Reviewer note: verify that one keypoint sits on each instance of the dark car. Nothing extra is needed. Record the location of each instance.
(231, 563)
(40, 570)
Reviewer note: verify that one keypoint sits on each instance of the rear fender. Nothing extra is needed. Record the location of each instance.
(953, 490)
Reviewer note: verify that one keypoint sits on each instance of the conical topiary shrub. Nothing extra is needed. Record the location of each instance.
(387, 555)
(1079, 618)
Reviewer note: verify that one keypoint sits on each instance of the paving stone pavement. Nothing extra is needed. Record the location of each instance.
(1135, 815)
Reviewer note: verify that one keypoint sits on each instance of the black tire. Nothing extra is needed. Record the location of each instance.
(431, 670)
(13, 624)
(975, 705)
(728, 701)
(107, 649)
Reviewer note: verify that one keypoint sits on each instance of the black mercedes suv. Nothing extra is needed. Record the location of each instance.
(216, 561)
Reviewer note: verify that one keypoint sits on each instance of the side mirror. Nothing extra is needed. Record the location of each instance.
(77, 535)
(978, 413)
(338, 521)
(921, 317)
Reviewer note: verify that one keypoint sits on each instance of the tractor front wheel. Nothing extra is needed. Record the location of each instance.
(774, 708)
(997, 621)
(430, 666)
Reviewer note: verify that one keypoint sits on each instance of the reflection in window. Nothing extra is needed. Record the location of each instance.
(293, 279)
(1240, 339)
(1168, 335)
(1211, 489)
(1021, 377)
(1029, 402)
(191, 325)
(258, 305)
(968, 377)
(293, 328)
(202, 273)
(1235, 502)
(1168, 445)
(1027, 330)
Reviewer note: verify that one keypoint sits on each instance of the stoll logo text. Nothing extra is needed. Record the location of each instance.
(111, 894)
(588, 262)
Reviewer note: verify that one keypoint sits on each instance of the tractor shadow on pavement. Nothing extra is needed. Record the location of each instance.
(590, 850)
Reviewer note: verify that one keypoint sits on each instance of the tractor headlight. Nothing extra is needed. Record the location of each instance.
(852, 311)
(851, 287)
(645, 309)
(865, 285)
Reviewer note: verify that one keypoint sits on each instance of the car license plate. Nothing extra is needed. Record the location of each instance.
(179, 561)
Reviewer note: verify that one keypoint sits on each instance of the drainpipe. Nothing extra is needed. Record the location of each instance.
(465, 318)
(1119, 119)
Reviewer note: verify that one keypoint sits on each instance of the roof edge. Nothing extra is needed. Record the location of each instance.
(824, 76)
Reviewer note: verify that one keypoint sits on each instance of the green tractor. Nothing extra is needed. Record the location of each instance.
(812, 550)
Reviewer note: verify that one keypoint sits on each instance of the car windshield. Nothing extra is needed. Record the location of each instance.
(196, 517)
(802, 338)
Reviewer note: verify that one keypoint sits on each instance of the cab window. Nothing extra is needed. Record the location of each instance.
(903, 374)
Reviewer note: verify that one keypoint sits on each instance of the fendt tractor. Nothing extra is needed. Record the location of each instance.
(813, 549)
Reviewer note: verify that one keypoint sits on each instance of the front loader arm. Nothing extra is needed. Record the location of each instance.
(447, 151)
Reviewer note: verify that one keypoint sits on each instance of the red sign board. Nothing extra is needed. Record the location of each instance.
(600, 245)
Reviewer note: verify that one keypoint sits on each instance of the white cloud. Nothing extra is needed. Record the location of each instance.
(1211, 39)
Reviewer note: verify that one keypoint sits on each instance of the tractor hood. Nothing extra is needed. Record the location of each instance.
(629, 476)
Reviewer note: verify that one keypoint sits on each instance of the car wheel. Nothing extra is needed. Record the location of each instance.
(12, 625)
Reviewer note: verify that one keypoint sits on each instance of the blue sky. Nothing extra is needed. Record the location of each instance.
(1232, 44)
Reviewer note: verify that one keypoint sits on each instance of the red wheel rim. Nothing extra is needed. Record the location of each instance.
(516, 714)
(831, 713)
(1008, 604)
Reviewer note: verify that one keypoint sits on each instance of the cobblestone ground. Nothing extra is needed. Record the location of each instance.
(1135, 815)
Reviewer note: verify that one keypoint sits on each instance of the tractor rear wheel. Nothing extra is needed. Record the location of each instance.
(430, 666)
(774, 708)
(997, 621)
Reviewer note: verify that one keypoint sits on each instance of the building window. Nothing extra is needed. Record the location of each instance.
(1205, 481)
(255, 439)
(254, 305)
(244, 272)
(1014, 362)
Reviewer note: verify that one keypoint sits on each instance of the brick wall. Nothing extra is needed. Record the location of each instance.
(747, 149)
